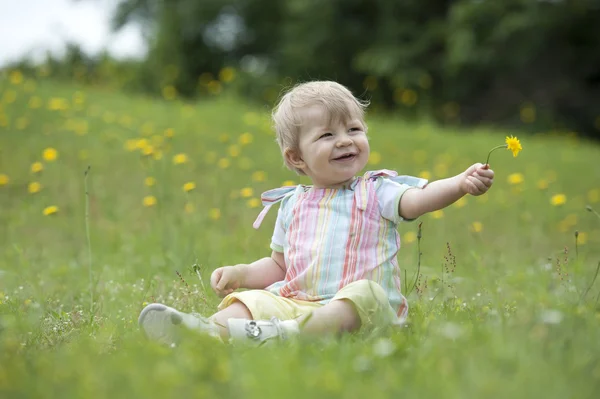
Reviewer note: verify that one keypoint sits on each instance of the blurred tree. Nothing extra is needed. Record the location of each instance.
(532, 62)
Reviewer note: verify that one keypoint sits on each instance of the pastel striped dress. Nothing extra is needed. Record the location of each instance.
(333, 237)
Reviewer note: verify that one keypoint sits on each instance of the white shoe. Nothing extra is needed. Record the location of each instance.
(258, 331)
(163, 324)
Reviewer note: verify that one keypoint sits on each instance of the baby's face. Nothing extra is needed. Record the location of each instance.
(332, 151)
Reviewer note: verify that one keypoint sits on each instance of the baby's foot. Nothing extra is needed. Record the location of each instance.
(164, 324)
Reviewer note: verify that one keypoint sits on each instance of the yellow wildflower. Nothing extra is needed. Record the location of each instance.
(149, 181)
(148, 150)
(593, 195)
(16, 77)
(214, 213)
(169, 92)
(425, 174)
(4, 179)
(254, 203)
(179, 159)
(169, 132)
(50, 154)
(374, 158)
(476, 227)
(227, 74)
(234, 151)
(50, 210)
(437, 214)
(288, 183)
(223, 163)
(259, 176)
(189, 186)
(245, 138)
(34, 187)
(246, 192)
(516, 178)
(581, 238)
(514, 145)
(409, 237)
(558, 199)
(462, 201)
(149, 200)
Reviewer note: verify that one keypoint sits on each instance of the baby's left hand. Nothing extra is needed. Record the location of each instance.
(477, 179)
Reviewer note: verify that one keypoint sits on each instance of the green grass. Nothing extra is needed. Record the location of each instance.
(504, 323)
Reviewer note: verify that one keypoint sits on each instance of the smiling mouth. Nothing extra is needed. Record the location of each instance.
(345, 157)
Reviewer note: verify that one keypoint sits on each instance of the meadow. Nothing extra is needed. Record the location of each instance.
(502, 288)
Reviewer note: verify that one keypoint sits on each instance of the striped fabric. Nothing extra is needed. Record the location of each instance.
(337, 236)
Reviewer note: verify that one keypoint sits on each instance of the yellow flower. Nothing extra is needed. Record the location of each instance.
(259, 176)
(149, 181)
(593, 195)
(558, 199)
(149, 200)
(179, 159)
(234, 151)
(169, 132)
(227, 74)
(288, 183)
(462, 201)
(246, 192)
(189, 186)
(254, 203)
(477, 227)
(34, 187)
(513, 144)
(50, 210)
(409, 237)
(581, 238)
(169, 92)
(425, 175)
(148, 150)
(16, 77)
(50, 154)
(245, 138)
(374, 158)
(223, 163)
(4, 179)
(214, 213)
(516, 178)
(437, 214)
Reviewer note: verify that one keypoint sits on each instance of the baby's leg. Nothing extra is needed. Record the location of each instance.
(237, 310)
(336, 316)
(360, 304)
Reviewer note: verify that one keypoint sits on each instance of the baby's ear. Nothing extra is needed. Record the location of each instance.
(294, 158)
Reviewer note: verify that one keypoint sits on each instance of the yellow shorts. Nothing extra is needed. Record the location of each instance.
(369, 299)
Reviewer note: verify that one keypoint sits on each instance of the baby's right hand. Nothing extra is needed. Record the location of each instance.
(226, 279)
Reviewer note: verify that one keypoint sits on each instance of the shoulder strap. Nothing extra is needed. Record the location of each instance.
(361, 193)
(270, 198)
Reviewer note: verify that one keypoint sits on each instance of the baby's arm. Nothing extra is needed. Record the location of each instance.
(256, 275)
(476, 180)
(263, 272)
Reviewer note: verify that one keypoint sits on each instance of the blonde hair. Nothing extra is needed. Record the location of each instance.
(337, 100)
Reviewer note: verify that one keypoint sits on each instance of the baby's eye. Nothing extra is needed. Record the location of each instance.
(325, 135)
(356, 129)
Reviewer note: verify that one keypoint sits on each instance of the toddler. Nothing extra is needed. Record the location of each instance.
(333, 267)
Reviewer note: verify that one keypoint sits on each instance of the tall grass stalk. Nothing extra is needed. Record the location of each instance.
(89, 240)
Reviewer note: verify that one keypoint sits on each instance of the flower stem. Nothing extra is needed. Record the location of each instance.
(492, 150)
